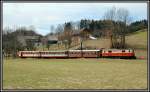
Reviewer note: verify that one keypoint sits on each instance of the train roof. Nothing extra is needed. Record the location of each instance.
(79, 50)
(84, 50)
(116, 49)
(44, 51)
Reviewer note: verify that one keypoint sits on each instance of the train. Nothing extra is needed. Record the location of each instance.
(99, 53)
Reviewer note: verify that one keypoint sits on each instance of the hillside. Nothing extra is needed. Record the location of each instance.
(136, 40)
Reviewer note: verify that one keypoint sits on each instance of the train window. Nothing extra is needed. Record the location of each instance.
(109, 51)
(123, 50)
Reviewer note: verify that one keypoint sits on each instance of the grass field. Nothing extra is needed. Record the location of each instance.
(74, 74)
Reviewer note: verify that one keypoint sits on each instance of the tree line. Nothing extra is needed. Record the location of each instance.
(12, 40)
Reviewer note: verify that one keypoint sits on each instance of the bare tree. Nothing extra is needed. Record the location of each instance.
(59, 33)
(59, 30)
(123, 16)
(110, 15)
(119, 18)
(68, 31)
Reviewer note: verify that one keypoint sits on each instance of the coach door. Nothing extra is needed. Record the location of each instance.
(123, 53)
(109, 53)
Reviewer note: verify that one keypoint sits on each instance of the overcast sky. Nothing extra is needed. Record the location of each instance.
(42, 15)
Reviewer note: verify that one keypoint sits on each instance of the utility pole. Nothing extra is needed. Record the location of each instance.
(81, 48)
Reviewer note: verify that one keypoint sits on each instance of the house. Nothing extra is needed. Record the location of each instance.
(85, 33)
(82, 34)
(25, 39)
(49, 39)
(33, 39)
(52, 39)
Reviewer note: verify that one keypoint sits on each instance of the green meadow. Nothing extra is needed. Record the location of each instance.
(74, 74)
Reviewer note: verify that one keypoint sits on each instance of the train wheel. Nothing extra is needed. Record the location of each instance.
(134, 57)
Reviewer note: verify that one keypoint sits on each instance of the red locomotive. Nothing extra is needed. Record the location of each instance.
(102, 53)
(115, 53)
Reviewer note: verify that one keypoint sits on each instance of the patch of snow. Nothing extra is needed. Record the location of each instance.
(92, 37)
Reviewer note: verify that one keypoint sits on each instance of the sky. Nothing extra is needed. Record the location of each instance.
(43, 15)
